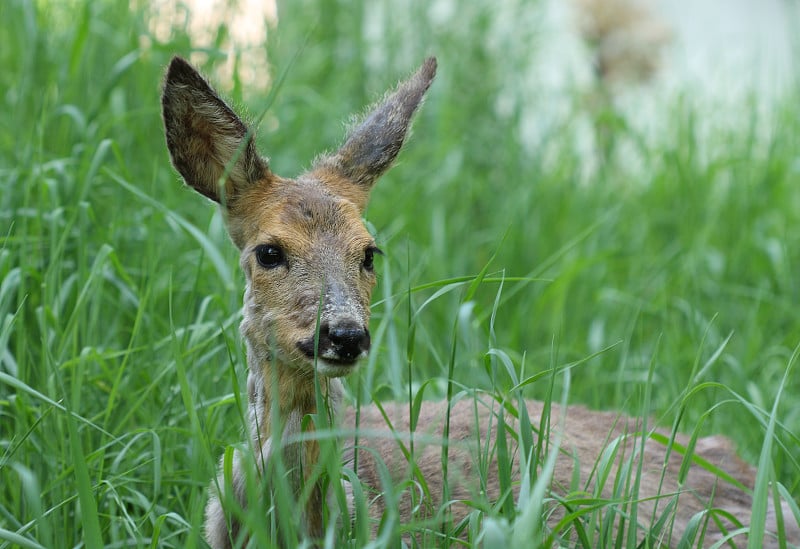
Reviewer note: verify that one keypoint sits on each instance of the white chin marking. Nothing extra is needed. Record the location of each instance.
(333, 369)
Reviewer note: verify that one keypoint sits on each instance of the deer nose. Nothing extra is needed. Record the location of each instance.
(349, 339)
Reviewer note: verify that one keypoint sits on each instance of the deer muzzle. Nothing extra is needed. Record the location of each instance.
(339, 345)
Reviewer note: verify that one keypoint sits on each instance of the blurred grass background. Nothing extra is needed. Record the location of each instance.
(119, 349)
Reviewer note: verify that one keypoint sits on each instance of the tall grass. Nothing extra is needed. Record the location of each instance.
(666, 283)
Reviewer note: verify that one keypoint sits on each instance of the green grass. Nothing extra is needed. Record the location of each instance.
(665, 283)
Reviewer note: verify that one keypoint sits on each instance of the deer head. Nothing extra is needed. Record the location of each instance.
(306, 255)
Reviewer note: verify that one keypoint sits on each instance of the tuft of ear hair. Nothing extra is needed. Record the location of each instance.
(205, 138)
(373, 144)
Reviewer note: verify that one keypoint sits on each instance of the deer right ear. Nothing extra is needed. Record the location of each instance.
(205, 137)
(372, 146)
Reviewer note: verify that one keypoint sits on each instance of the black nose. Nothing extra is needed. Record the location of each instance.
(348, 338)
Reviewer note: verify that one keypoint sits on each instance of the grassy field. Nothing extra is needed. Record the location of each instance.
(662, 278)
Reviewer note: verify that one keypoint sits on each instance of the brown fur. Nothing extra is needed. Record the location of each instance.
(307, 259)
(586, 434)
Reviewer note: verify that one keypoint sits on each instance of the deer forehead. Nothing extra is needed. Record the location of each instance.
(302, 217)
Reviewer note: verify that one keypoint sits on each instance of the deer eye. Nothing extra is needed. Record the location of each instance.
(369, 258)
(269, 256)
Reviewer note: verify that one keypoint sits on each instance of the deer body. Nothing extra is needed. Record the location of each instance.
(586, 435)
(308, 264)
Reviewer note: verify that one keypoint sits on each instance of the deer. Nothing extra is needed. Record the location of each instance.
(308, 263)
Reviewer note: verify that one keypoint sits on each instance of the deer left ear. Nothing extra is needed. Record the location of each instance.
(372, 146)
(205, 138)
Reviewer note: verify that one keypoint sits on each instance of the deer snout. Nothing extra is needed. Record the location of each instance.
(339, 346)
(348, 340)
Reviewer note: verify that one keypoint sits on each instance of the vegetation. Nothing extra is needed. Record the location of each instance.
(661, 279)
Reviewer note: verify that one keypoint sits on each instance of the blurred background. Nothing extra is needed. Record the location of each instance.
(621, 177)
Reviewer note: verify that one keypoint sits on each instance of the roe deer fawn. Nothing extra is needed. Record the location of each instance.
(308, 263)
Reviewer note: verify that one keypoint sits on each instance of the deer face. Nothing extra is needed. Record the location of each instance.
(306, 255)
(308, 261)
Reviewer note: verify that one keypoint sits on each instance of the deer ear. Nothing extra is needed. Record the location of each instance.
(373, 144)
(205, 137)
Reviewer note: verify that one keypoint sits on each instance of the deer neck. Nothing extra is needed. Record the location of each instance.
(275, 387)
